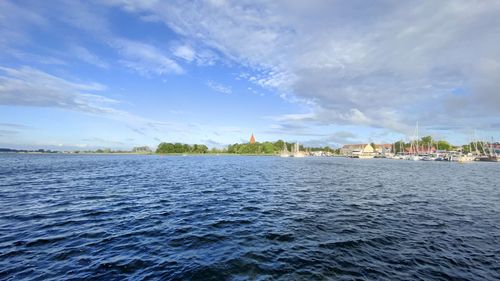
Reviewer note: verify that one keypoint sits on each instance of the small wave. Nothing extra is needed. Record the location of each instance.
(286, 237)
(355, 243)
(196, 241)
(124, 266)
(44, 241)
(226, 223)
(65, 254)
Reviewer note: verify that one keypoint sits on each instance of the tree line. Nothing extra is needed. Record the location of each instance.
(165, 147)
(424, 143)
(269, 147)
(277, 147)
(237, 148)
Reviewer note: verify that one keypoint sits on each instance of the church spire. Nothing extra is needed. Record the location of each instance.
(252, 139)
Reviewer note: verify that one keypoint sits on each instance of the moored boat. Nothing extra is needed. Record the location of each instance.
(285, 152)
(462, 158)
(296, 151)
(429, 158)
(489, 158)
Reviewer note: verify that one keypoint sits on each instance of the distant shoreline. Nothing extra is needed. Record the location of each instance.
(139, 154)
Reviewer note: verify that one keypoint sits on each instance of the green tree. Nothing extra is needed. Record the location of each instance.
(268, 148)
(178, 147)
(466, 148)
(327, 149)
(426, 140)
(165, 148)
(443, 145)
(202, 148)
(399, 146)
(181, 148)
(279, 145)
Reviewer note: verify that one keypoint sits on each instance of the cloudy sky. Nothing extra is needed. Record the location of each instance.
(122, 73)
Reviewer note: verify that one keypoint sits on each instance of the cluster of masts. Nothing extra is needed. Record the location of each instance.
(294, 153)
(478, 151)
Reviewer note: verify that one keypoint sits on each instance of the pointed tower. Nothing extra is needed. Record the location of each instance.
(252, 139)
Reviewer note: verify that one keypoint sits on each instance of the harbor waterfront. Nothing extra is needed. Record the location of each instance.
(154, 217)
(428, 151)
(249, 140)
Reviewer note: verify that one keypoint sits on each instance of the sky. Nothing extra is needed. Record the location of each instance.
(124, 73)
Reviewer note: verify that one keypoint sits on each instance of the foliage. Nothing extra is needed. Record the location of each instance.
(444, 145)
(270, 148)
(425, 142)
(399, 146)
(325, 149)
(181, 148)
(263, 148)
(473, 147)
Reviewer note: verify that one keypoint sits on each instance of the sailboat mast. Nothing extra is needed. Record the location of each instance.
(417, 137)
(492, 152)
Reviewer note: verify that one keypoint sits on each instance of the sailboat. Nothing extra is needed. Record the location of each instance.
(489, 153)
(430, 155)
(284, 152)
(462, 158)
(296, 151)
(414, 148)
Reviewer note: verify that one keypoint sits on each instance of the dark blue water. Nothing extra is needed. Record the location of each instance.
(246, 218)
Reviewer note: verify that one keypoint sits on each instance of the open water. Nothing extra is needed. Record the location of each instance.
(75, 217)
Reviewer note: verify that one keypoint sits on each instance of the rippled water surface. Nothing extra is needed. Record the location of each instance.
(246, 218)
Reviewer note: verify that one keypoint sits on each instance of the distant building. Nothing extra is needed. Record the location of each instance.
(383, 149)
(252, 139)
(357, 150)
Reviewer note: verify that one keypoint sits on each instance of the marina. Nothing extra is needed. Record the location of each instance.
(488, 153)
(478, 151)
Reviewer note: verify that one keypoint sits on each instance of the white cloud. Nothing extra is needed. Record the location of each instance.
(218, 87)
(30, 87)
(191, 53)
(14, 126)
(18, 22)
(145, 58)
(184, 52)
(336, 139)
(85, 55)
(33, 58)
(294, 117)
(13, 22)
(371, 64)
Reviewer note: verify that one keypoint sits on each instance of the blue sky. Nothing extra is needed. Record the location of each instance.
(118, 74)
